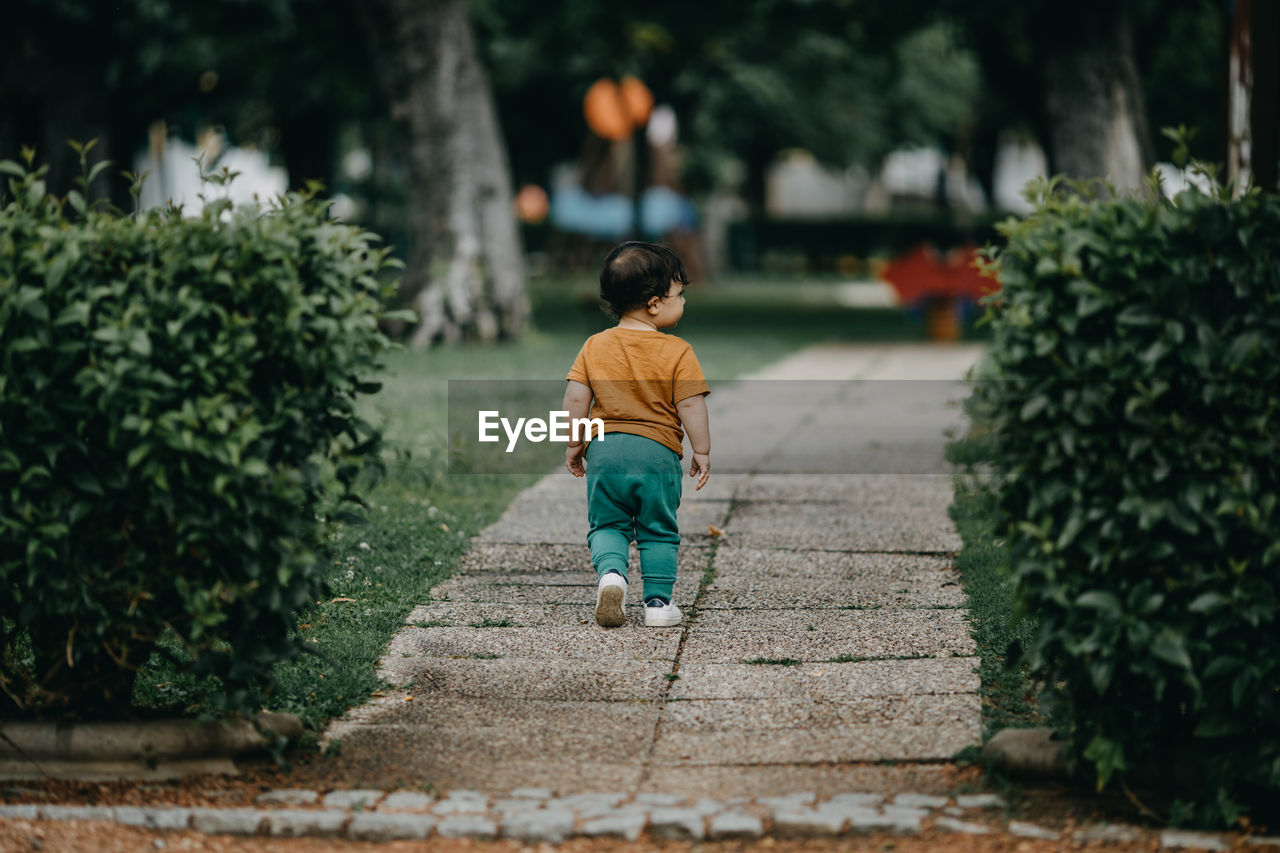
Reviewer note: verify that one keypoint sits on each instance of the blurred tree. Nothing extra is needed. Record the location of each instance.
(748, 78)
(1090, 78)
(465, 270)
(287, 76)
(279, 74)
(64, 73)
(850, 79)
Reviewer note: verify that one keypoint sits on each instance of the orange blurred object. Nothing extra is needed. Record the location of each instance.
(639, 100)
(614, 112)
(531, 204)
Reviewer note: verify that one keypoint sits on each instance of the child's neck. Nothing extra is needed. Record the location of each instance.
(629, 322)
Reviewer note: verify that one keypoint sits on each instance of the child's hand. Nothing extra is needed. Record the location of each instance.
(573, 460)
(700, 468)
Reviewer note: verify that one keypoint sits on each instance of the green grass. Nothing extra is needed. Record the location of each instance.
(1008, 696)
(421, 519)
(736, 326)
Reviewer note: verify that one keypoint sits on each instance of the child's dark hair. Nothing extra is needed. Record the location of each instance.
(635, 272)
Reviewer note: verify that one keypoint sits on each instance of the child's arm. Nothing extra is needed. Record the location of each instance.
(577, 402)
(693, 414)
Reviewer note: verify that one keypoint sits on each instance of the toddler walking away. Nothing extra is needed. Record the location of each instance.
(647, 385)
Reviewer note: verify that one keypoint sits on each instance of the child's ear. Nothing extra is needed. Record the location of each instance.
(652, 305)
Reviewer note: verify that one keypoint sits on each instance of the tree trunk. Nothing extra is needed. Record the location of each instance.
(465, 270)
(1093, 103)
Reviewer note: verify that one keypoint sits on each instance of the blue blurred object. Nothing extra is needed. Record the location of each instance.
(610, 216)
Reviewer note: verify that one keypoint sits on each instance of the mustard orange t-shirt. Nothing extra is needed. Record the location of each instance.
(637, 376)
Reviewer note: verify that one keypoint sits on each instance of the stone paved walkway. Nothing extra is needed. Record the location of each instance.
(824, 650)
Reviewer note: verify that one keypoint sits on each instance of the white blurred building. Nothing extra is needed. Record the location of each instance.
(797, 186)
(175, 176)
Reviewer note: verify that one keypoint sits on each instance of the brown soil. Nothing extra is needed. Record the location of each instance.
(108, 838)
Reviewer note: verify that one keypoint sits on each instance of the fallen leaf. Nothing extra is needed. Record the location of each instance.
(712, 530)
(341, 598)
(408, 698)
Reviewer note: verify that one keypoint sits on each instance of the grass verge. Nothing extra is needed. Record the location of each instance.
(999, 631)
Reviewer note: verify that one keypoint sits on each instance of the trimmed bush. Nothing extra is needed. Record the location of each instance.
(176, 428)
(1134, 409)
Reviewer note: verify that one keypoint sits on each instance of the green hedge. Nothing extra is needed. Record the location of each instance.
(1135, 415)
(176, 427)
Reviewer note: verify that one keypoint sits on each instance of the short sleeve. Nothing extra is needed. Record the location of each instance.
(688, 380)
(578, 373)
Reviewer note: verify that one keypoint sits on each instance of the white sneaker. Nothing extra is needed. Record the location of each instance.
(659, 615)
(611, 595)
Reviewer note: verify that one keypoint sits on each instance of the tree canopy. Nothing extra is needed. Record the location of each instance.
(846, 79)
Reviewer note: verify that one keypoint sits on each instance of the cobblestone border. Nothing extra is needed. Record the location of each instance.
(538, 815)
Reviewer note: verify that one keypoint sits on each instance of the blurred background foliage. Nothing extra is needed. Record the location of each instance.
(847, 80)
(304, 82)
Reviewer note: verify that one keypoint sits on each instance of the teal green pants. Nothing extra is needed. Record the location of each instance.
(633, 491)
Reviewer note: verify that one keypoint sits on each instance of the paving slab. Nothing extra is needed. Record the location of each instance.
(741, 440)
(569, 641)
(526, 558)
(878, 593)
(797, 821)
(624, 739)
(829, 621)
(857, 491)
(824, 361)
(525, 589)
(497, 616)
(760, 579)
(303, 823)
(734, 825)
(827, 681)
(719, 486)
(786, 712)
(621, 719)
(875, 361)
(839, 527)
(726, 781)
(838, 744)
(352, 799)
(804, 455)
(394, 759)
(733, 560)
(949, 361)
(406, 801)
(461, 826)
(785, 634)
(874, 427)
(371, 826)
(606, 681)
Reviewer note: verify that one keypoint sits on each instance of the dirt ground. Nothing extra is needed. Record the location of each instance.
(107, 838)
